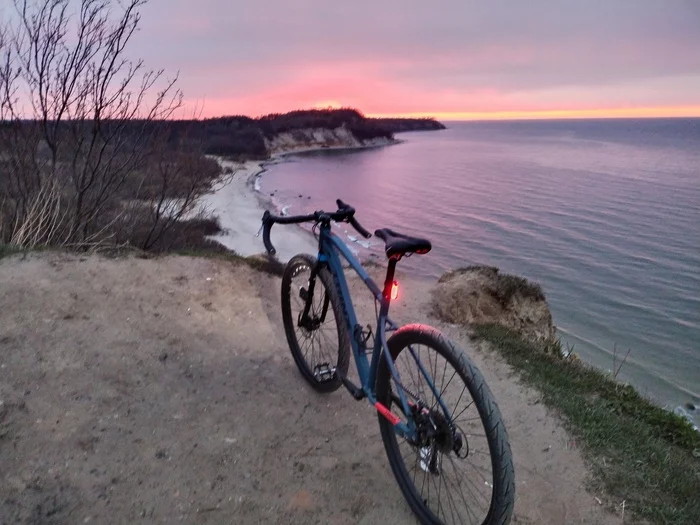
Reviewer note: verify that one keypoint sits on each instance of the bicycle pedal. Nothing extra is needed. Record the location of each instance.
(324, 372)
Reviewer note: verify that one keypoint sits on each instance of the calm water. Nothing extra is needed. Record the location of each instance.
(605, 214)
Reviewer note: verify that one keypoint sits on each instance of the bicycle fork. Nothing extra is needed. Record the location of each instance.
(310, 321)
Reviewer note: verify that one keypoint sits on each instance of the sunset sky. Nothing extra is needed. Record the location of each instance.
(447, 58)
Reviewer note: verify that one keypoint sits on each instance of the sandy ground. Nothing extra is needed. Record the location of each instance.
(163, 391)
(240, 211)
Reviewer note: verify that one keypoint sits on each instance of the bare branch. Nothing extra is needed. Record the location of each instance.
(77, 113)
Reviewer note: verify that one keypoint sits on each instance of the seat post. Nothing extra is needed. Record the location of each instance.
(388, 282)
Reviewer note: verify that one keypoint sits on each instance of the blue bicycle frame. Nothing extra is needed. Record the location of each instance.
(330, 246)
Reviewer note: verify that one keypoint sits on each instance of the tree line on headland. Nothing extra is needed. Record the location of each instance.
(244, 137)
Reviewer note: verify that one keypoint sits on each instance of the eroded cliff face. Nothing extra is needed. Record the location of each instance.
(318, 138)
(482, 295)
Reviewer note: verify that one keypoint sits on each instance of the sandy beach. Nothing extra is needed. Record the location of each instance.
(240, 209)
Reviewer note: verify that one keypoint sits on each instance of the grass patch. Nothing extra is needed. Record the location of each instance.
(639, 453)
(260, 263)
(265, 264)
(6, 250)
(190, 234)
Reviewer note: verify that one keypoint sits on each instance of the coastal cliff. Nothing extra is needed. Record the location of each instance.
(320, 138)
(245, 138)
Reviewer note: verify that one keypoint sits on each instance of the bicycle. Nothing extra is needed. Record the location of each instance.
(437, 438)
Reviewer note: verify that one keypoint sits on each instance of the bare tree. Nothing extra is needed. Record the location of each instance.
(179, 178)
(77, 113)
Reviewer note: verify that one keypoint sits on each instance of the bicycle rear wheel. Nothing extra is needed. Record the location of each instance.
(460, 470)
(318, 341)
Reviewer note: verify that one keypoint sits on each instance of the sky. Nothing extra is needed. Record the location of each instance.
(451, 59)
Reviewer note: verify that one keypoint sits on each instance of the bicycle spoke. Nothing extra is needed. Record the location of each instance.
(304, 343)
(312, 339)
(429, 476)
(469, 481)
(451, 502)
(464, 388)
(478, 470)
(442, 391)
(443, 387)
(416, 467)
(454, 418)
(438, 495)
(421, 381)
(466, 504)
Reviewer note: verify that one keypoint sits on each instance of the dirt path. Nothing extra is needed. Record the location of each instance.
(162, 390)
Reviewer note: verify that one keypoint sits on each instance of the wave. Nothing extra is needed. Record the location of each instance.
(364, 244)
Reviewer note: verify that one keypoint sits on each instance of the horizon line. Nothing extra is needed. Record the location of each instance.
(619, 113)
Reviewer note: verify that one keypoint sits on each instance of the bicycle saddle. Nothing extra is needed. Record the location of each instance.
(398, 244)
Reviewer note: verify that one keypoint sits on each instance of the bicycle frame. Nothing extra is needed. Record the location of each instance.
(331, 247)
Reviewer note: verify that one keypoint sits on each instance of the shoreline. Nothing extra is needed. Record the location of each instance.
(238, 204)
(239, 208)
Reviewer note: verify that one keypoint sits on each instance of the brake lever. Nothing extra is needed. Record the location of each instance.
(266, 215)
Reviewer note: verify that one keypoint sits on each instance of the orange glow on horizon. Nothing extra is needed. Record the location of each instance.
(682, 111)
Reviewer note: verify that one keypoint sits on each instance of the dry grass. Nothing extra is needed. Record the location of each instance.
(45, 220)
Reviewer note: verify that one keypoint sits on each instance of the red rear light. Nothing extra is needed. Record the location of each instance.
(394, 290)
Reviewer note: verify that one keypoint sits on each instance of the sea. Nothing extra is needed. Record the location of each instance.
(604, 214)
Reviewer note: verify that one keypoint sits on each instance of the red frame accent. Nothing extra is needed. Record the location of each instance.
(388, 414)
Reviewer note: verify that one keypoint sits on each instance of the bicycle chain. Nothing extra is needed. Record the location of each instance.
(405, 389)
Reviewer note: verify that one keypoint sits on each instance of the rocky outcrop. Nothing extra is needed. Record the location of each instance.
(483, 295)
(319, 138)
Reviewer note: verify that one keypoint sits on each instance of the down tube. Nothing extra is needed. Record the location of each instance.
(330, 244)
(367, 375)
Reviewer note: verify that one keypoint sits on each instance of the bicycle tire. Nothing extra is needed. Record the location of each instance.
(295, 265)
(503, 488)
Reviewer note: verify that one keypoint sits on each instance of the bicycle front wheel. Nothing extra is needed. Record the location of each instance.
(318, 340)
(460, 469)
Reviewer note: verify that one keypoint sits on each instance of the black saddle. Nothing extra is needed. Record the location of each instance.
(398, 244)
